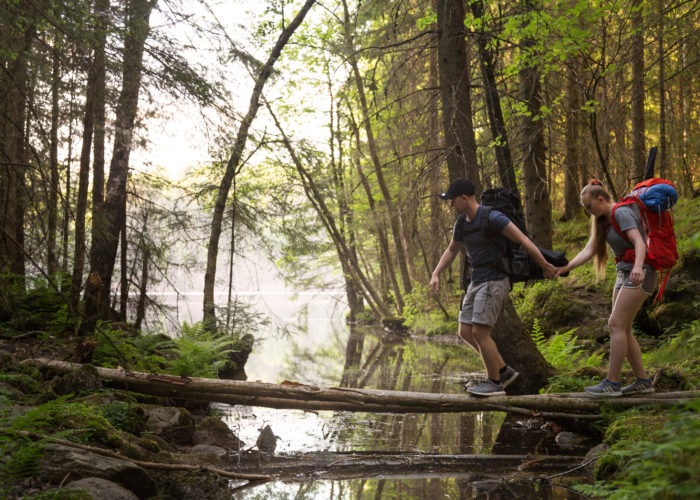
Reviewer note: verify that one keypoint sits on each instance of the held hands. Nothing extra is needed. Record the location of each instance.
(561, 270)
(549, 272)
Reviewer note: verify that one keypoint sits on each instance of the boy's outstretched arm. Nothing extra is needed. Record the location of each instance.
(514, 234)
(447, 257)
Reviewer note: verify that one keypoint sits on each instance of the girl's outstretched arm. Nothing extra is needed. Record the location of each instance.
(581, 258)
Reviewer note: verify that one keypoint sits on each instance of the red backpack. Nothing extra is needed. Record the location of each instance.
(653, 197)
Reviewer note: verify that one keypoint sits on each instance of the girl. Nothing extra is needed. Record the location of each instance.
(635, 282)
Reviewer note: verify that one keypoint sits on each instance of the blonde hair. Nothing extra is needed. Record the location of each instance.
(595, 189)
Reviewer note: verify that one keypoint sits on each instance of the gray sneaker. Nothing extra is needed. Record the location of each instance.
(638, 387)
(508, 377)
(604, 388)
(488, 388)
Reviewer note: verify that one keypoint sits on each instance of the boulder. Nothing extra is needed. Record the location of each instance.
(213, 431)
(172, 424)
(102, 489)
(195, 485)
(60, 461)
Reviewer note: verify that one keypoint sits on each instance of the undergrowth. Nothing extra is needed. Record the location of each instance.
(650, 461)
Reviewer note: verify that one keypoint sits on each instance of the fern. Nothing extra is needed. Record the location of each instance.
(562, 351)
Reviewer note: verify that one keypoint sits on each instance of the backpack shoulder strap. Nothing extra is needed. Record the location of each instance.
(485, 219)
(627, 200)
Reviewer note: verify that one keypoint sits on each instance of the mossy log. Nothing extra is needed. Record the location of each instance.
(306, 397)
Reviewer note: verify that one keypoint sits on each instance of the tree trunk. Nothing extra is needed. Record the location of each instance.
(377, 219)
(504, 160)
(98, 170)
(123, 266)
(309, 397)
(106, 238)
(13, 155)
(519, 351)
(314, 196)
(143, 286)
(460, 144)
(233, 165)
(663, 159)
(538, 211)
(392, 213)
(639, 153)
(572, 162)
(52, 260)
(83, 180)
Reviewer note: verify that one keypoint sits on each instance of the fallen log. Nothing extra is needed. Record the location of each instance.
(306, 397)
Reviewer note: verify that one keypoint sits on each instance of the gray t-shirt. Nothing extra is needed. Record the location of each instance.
(484, 253)
(627, 217)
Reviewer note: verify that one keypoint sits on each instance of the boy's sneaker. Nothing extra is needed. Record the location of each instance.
(488, 388)
(639, 386)
(604, 388)
(508, 377)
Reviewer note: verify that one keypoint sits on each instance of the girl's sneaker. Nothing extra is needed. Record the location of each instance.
(604, 388)
(639, 386)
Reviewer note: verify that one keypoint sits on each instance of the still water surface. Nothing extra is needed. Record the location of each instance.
(308, 341)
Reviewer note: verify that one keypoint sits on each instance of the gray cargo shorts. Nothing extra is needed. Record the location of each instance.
(483, 302)
(647, 286)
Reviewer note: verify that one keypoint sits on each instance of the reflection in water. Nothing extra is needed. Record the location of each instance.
(316, 347)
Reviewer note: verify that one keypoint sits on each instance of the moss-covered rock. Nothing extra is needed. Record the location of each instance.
(81, 381)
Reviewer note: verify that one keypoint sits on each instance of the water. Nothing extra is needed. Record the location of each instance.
(410, 455)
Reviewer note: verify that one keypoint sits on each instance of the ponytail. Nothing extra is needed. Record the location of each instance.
(598, 226)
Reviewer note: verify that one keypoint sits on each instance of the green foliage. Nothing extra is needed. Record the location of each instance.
(563, 351)
(200, 353)
(146, 353)
(62, 415)
(652, 460)
(20, 456)
(680, 351)
(422, 313)
(126, 417)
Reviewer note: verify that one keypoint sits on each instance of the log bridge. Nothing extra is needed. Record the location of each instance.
(293, 395)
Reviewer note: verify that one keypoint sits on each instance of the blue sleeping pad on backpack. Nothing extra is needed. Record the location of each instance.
(658, 197)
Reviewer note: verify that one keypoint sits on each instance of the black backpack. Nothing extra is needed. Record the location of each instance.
(516, 262)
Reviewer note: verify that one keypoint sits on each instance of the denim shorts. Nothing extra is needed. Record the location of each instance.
(483, 302)
(647, 286)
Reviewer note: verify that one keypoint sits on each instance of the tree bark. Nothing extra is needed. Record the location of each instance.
(233, 165)
(307, 397)
(143, 287)
(519, 351)
(638, 126)
(52, 260)
(460, 144)
(392, 213)
(663, 158)
(83, 180)
(499, 135)
(13, 154)
(538, 211)
(106, 238)
(572, 161)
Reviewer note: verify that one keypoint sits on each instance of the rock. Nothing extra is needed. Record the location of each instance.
(213, 431)
(568, 440)
(85, 379)
(59, 461)
(267, 441)
(201, 484)
(595, 452)
(102, 489)
(172, 424)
